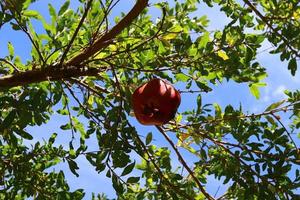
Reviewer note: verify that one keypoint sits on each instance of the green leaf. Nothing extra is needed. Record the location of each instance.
(52, 11)
(117, 185)
(52, 138)
(223, 55)
(24, 134)
(72, 153)
(90, 100)
(32, 14)
(11, 49)
(73, 167)
(274, 105)
(204, 20)
(249, 54)
(63, 111)
(8, 120)
(128, 169)
(108, 174)
(254, 89)
(203, 154)
(133, 179)
(66, 126)
(270, 120)
(15, 26)
(161, 47)
(182, 77)
(64, 8)
(170, 36)
(203, 86)
(26, 3)
(199, 103)
(100, 167)
(218, 110)
(149, 138)
(204, 40)
(54, 57)
(292, 66)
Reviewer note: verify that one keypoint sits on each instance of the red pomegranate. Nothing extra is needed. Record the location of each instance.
(155, 102)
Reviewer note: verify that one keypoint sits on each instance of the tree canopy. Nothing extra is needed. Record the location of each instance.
(85, 66)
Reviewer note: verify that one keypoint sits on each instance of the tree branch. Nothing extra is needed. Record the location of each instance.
(285, 129)
(105, 40)
(138, 45)
(9, 63)
(67, 71)
(180, 158)
(49, 73)
(175, 188)
(265, 20)
(89, 3)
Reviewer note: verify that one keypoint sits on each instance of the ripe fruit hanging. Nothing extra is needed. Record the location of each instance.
(155, 102)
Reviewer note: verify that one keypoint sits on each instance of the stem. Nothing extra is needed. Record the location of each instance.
(180, 158)
(9, 63)
(162, 176)
(107, 39)
(264, 19)
(287, 132)
(89, 3)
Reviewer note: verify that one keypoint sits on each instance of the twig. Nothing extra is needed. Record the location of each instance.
(97, 87)
(105, 18)
(244, 148)
(162, 176)
(95, 91)
(222, 197)
(69, 114)
(180, 158)
(141, 44)
(191, 91)
(287, 132)
(264, 19)
(242, 116)
(11, 64)
(89, 112)
(53, 52)
(117, 82)
(113, 171)
(262, 178)
(145, 70)
(217, 191)
(106, 39)
(89, 3)
(24, 29)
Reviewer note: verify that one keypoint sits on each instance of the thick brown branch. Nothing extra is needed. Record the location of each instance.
(50, 73)
(59, 73)
(105, 40)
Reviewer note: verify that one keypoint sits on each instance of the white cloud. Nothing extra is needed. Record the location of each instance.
(279, 92)
(265, 94)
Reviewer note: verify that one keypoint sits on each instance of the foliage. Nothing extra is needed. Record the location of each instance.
(85, 67)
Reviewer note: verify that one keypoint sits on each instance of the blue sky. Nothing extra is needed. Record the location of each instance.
(226, 93)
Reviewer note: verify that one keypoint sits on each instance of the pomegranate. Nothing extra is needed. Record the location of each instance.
(155, 102)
